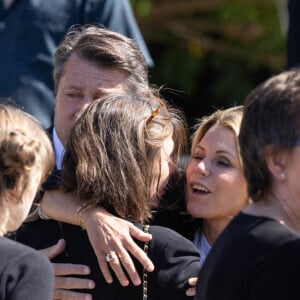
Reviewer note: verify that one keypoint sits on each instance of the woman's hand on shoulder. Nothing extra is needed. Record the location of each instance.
(112, 235)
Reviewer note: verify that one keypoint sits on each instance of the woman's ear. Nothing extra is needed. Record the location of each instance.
(14, 194)
(276, 161)
(11, 195)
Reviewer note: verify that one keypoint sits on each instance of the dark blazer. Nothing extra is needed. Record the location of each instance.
(175, 259)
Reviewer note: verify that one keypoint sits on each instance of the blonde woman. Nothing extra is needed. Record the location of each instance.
(216, 186)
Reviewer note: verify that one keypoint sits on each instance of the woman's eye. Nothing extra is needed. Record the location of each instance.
(198, 157)
(223, 162)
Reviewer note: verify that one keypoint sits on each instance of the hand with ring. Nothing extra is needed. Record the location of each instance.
(111, 256)
(105, 232)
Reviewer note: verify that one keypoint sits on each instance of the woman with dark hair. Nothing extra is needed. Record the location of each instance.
(119, 157)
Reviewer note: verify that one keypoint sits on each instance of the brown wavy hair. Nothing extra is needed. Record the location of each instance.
(113, 149)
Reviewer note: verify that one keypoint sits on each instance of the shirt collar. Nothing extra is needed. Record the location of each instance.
(58, 148)
(202, 245)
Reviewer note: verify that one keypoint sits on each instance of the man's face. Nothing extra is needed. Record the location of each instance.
(82, 83)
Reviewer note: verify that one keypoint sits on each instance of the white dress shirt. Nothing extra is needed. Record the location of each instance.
(58, 148)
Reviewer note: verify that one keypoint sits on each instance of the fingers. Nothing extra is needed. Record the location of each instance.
(108, 233)
(70, 269)
(104, 267)
(116, 266)
(139, 234)
(69, 283)
(126, 261)
(193, 281)
(192, 290)
(60, 294)
(63, 285)
(54, 250)
(136, 251)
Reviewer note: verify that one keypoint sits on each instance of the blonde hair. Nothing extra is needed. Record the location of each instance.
(230, 118)
(24, 146)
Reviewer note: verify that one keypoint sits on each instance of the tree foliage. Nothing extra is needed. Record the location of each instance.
(211, 53)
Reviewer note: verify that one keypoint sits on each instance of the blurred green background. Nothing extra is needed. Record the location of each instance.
(209, 54)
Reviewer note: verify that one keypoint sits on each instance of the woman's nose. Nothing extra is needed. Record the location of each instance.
(203, 167)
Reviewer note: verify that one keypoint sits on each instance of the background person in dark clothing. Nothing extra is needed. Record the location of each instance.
(293, 41)
(30, 32)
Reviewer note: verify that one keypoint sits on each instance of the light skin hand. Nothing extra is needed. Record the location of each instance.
(106, 233)
(192, 290)
(63, 283)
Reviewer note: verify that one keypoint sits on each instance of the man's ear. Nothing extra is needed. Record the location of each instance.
(276, 161)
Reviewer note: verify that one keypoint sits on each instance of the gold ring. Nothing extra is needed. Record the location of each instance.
(110, 256)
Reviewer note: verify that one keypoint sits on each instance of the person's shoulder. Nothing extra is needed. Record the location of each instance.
(25, 273)
(9, 248)
(164, 232)
(38, 234)
(13, 252)
(272, 232)
(175, 258)
(169, 240)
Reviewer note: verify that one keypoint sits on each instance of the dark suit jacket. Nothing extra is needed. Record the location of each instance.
(175, 259)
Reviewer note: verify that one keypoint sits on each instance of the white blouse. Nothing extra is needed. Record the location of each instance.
(202, 245)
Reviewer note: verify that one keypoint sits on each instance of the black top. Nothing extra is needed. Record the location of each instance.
(24, 273)
(175, 259)
(293, 43)
(254, 258)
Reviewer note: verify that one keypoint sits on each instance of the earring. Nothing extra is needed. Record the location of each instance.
(282, 175)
